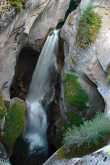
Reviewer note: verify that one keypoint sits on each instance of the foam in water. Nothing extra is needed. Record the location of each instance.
(36, 125)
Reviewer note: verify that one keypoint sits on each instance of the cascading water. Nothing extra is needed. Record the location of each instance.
(40, 95)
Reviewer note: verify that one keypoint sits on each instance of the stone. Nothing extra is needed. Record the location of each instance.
(100, 157)
(28, 26)
(94, 60)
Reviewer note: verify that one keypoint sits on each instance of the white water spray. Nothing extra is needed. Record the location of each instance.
(41, 93)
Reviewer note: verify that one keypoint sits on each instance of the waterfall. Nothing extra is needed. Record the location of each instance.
(41, 94)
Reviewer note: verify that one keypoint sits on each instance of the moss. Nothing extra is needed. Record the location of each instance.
(74, 119)
(17, 3)
(61, 127)
(73, 92)
(90, 133)
(68, 152)
(61, 153)
(2, 107)
(14, 122)
(88, 27)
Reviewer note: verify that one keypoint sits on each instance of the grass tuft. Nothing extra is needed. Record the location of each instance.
(88, 27)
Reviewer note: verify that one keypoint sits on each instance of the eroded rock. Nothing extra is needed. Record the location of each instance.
(100, 157)
(28, 26)
(94, 60)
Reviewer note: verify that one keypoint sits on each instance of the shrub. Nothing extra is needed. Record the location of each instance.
(17, 3)
(14, 122)
(73, 92)
(89, 133)
(88, 27)
(2, 107)
(61, 127)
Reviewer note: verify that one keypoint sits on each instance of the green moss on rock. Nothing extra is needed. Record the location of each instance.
(60, 154)
(74, 119)
(88, 27)
(74, 94)
(68, 152)
(2, 107)
(61, 127)
(14, 122)
(17, 3)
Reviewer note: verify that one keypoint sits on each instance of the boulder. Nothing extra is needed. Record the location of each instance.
(100, 157)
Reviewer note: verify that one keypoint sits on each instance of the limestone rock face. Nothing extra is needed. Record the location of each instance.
(27, 26)
(100, 157)
(94, 60)
(53, 13)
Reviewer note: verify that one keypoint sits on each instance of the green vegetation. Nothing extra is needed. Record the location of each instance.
(73, 119)
(73, 92)
(87, 138)
(61, 153)
(61, 127)
(90, 133)
(88, 27)
(2, 107)
(14, 122)
(17, 3)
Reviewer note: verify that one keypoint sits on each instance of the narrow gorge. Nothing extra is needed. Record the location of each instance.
(54, 82)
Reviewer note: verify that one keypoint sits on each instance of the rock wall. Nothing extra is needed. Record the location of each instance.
(94, 60)
(27, 26)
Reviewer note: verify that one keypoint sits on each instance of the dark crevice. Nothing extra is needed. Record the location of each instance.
(25, 66)
(72, 6)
